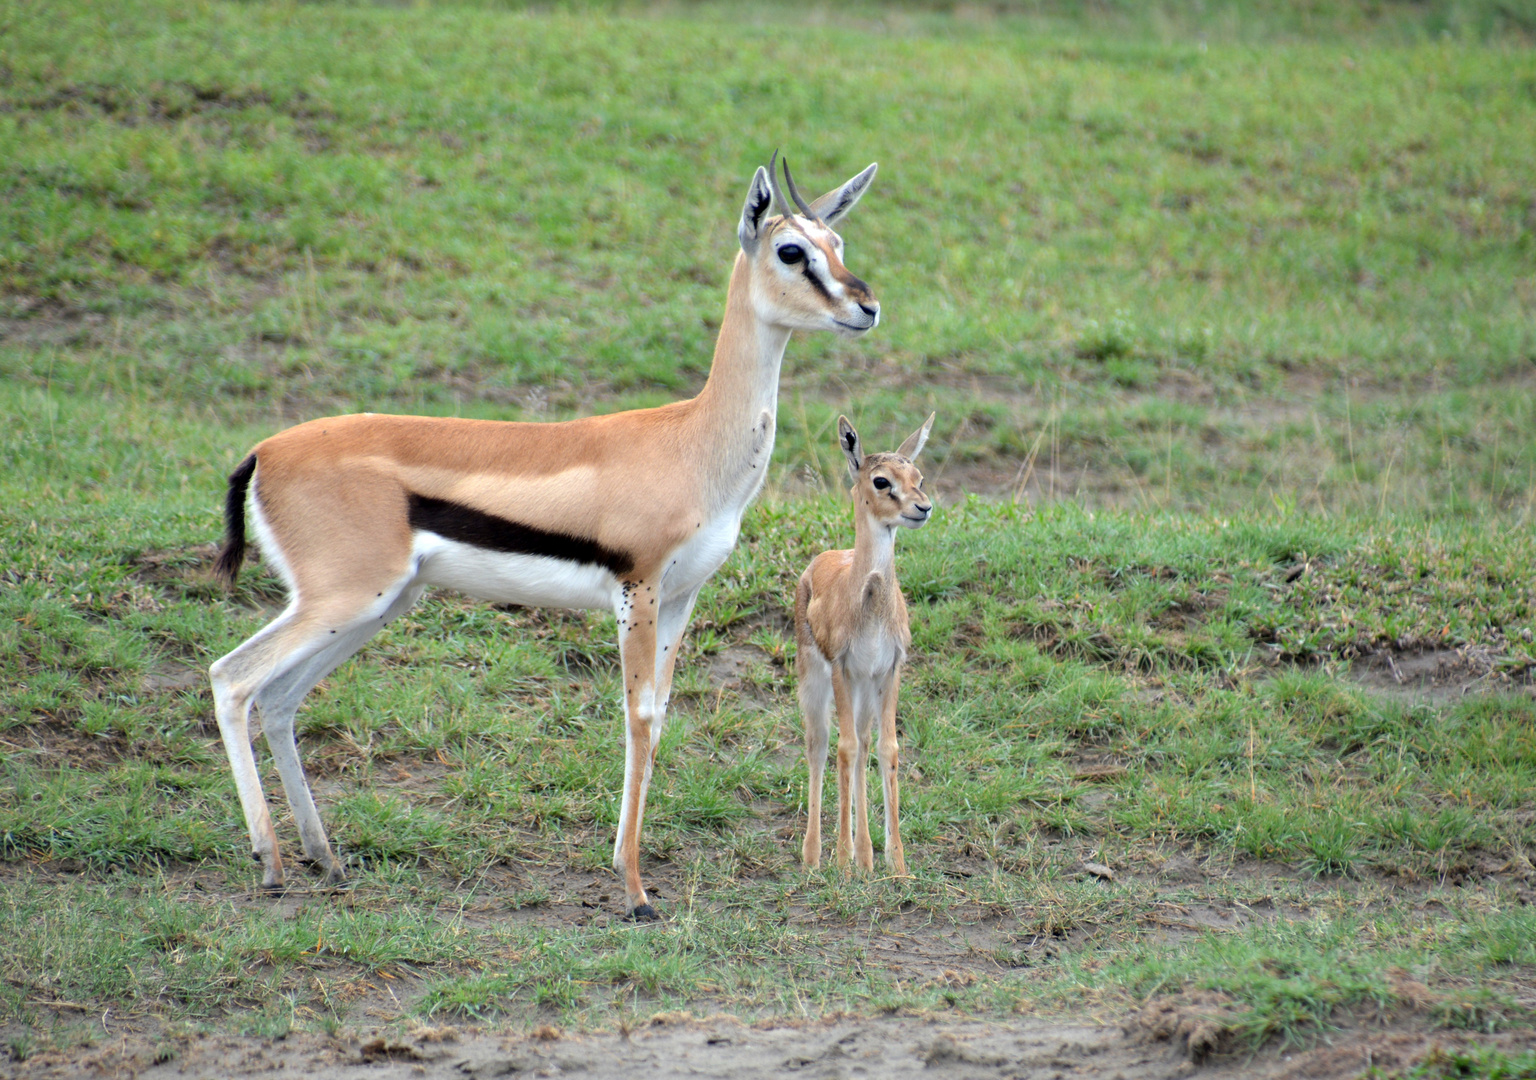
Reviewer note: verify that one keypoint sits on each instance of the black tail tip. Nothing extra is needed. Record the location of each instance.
(231, 556)
(233, 553)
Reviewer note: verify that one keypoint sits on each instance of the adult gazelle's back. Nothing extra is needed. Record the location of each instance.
(851, 639)
(632, 511)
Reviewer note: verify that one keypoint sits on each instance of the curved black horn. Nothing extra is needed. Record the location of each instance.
(773, 185)
(794, 193)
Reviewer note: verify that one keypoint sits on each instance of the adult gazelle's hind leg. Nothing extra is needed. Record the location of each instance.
(637, 652)
(275, 667)
(814, 679)
(895, 858)
(237, 678)
(277, 705)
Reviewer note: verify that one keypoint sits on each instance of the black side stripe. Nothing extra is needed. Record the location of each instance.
(454, 521)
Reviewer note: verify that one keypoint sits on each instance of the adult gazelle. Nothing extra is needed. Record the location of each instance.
(631, 511)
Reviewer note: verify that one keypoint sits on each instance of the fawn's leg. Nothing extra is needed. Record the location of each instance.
(866, 703)
(815, 692)
(847, 760)
(895, 858)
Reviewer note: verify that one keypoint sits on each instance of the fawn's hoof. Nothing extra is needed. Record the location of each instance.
(643, 913)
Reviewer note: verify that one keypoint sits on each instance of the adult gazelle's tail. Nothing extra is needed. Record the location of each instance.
(233, 552)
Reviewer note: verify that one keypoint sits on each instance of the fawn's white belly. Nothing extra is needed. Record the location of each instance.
(872, 654)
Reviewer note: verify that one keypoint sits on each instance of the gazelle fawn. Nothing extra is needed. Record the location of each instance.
(631, 512)
(852, 638)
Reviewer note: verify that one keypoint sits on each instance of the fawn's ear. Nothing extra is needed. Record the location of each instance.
(848, 440)
(917, 440)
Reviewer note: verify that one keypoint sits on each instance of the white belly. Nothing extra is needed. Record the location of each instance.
(530, 580)
(872, 654)
(702, 554)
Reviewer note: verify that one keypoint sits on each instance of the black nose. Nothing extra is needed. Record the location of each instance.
(870, 309)
(924, 509)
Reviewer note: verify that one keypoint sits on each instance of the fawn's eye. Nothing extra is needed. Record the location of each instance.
(790, 254)
(881, 483)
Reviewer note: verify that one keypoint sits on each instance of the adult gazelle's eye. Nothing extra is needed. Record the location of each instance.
(790, 254)
(881, 483)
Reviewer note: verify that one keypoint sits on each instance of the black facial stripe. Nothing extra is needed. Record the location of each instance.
(815, 281)
(454, 521)
(855, 284)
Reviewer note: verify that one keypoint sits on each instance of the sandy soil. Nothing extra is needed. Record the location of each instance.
(1140, 1047)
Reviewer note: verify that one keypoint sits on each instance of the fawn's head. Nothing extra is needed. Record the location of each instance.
(887, 488)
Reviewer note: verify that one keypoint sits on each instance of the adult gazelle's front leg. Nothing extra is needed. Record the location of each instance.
(650, 632)
(671, 622)
(637, 653)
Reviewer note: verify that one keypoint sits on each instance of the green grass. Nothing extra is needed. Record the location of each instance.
(1230, 315)
(1495, 1065)
(1299, 271)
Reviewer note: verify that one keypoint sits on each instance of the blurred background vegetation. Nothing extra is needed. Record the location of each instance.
(1145, 255)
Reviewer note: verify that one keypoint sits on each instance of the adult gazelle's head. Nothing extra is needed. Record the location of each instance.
(799, 281)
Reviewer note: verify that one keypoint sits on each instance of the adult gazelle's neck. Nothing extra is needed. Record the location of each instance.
(744, 375)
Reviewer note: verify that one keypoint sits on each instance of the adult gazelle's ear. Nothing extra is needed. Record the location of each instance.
(755, 211)
(848, 441)
(915, 441)
(836, 203)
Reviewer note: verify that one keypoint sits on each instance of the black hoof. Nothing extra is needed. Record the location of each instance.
(644, 913)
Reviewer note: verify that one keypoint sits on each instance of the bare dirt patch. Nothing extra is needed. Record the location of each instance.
(1133, 1047)
(1435, 676)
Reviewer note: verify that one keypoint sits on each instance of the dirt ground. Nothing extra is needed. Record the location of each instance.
(1152, 1045)
(1178, 1036)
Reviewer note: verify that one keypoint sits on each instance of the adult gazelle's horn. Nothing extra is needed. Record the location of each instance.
(794, 193)
(773, 185)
